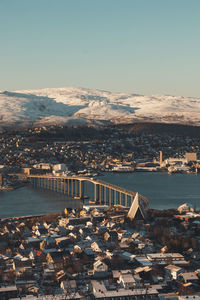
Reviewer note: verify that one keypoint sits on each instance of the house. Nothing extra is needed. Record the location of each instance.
(33, 242)
(3, 261)
(55, 257)
(7, 292)
(100, 292)
(68, 286)
(128, 256)
(20, 262)
(189, 297)
(189, 277)
(40, 230)
(173, 271)
(48, 272)
(47, 243)
(63, 242)
(116, 274)
(127, 281)
(166, 258)
(186, 207)
(62, 230)
(113, 235)
(143, 260)
(141, 270)
(100, 269)
(89, 253)
(38, 256)
(95, 247)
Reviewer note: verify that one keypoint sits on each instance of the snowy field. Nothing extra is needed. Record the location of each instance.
(72, 105)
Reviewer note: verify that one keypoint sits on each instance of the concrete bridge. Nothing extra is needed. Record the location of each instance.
(104, 192)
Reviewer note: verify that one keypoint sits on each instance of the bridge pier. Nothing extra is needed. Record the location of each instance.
(72, 187)
(100, 200)
(68, 187)
(81, 189)
(115, 197)
(96, 192)
(104, 197)
(76, 187)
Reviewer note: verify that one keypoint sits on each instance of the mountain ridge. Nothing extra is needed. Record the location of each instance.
(72, 105)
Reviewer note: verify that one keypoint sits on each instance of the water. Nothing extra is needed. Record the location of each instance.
(162, 190)
(29, 201)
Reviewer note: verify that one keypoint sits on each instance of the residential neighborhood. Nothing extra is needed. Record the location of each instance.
(100, 252)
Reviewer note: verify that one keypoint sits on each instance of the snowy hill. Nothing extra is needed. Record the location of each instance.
(80, 106)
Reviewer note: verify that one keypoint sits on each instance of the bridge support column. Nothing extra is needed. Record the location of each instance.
(76, 187)
(110, 196)
(57, 185)
(95, 193)
(126, 197)
(68, 187)
(72, 187)
(104, 198)
(81, 189)
(100, 194)
(61, 185)
(64, 191)
(131, 200)
(54, 185)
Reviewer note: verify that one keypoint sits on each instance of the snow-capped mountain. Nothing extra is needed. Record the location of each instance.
(72, 105)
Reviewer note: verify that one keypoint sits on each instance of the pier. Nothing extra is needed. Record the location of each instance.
(104, 192)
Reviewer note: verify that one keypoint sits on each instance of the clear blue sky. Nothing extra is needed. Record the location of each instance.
(139, 46)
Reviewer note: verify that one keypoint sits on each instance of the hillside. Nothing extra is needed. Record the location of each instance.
(72, 105)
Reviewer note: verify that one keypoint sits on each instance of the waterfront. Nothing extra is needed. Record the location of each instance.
(162, 190)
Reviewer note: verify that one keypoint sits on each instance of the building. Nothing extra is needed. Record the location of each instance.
(1, 179)
(161, 158)
(191, 156)
(137, 209)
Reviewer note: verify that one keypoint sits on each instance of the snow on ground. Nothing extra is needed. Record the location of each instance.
(73, 105)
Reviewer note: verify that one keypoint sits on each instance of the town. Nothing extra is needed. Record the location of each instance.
(102, 252)
(92, 151)
(98, 251)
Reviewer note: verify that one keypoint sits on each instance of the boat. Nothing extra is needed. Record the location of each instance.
(80, 197)
(92, 202)
(123, 169)
(178, 169)
(6, 188)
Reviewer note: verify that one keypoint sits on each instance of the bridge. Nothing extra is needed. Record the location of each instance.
(104, 192)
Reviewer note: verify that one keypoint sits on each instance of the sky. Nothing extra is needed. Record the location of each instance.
(134, 46)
